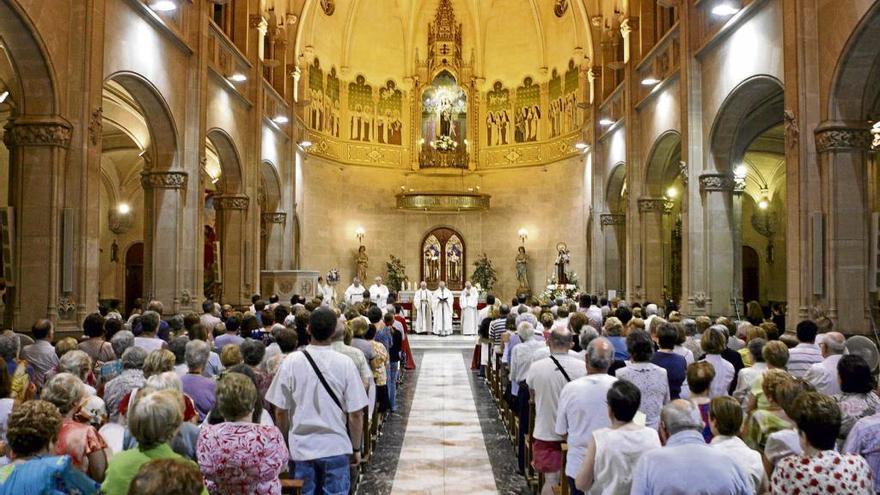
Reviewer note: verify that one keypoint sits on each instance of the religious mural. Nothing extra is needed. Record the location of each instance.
(498, 115)
(361, 110)
(444, 114)
(389, 126)
(564, 113)
(323, 112)
(527, 111)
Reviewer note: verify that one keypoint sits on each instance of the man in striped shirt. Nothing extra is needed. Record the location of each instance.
(497, 329)
(804, 355)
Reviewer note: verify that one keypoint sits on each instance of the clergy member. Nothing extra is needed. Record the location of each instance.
(442, 310)
(379, 293)
(422, 305)
(468, 301)
(355, 292)
(328, 293)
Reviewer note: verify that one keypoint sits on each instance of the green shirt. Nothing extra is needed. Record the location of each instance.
(124, 466)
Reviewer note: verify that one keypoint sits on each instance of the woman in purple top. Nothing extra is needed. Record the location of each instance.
(666, 358)
(199, 388)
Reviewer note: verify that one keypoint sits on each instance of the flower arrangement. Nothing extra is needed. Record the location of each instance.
(444, 143)
(555, 290)
(395, 273)
(484, 276)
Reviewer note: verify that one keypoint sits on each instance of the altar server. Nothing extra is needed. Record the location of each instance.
(442, 310)
(422, 306)
(379, 293)
(467, 300)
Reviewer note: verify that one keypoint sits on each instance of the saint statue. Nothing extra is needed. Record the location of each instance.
(522, 271)
(362, 261)
(562, 259)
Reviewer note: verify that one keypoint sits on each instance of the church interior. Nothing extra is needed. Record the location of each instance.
(706, 156)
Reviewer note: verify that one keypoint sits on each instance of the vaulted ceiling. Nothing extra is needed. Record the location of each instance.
(505, 40)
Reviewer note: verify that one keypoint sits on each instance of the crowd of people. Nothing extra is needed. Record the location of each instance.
(224, 402)
(646, 403)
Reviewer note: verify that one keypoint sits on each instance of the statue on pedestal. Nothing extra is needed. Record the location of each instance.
(522, 271)
(562, 259)
(362, 261)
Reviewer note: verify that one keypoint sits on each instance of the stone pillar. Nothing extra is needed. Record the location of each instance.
(164, 206)
(613, 230)
(843, 155)
(37, 155)
(739, 304)
(231, 231)
(653, 260)
(273, 235)
(718, 228)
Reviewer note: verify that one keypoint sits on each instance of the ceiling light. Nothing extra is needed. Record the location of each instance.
(280, 119)
(672, 192)
(763, 204)
(163, 5)
(606, 122)
(740, 171)
(238, 77)
(725, 9)
(581, 146)
(123, 208)
(650, 81)
(303, 144)
(4, 95)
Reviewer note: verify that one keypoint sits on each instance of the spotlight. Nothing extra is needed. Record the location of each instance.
(740, 171)
(238, 77)
(763, 204)
(672, 192)
(4, 95)
(606, 122)
(163, 5)
(725, 9)
(306, 144)
(650, 81)
(581, 146)
(280, 119)
(123, 208)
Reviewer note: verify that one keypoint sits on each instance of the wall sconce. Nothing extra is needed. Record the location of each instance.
(523, 235)
(360, 233)
(672, 192)
(120, 218)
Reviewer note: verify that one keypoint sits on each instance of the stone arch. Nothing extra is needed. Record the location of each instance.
(750, 109)
(35, 93)
(230, 162)
(615, 190)
(855, 88)
(663, 163)
(271, 186)
(162, 148)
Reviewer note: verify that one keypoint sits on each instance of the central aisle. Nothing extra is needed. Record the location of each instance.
(443, 449)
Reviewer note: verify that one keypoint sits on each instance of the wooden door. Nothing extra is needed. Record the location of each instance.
(134, 275)
(751, 270)
(443, 258)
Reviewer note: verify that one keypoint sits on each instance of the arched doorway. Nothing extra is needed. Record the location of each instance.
(134, 275)
(751, 274)
(273, 221)
(443, 256)
(613, 225)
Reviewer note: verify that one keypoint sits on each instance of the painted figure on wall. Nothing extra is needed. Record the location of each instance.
(527, 112)
(361, 109)
(497, 115)
(316, 96)
(389, 128)
(444, 112)
(331, 104)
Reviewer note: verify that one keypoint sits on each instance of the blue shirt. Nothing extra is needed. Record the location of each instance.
(687, 465)
(676, 370)
(45, 476)
(620, 352)
(385, 338)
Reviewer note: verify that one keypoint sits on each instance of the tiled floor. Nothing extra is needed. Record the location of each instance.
(443, 449)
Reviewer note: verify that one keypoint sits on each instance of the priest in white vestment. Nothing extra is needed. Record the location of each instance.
(355, 292)
(468, 301)
(422, 306)
(328, 293)
(442, 310)
(379, 294)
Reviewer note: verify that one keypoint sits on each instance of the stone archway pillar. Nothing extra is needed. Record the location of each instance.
(37, 156)
(719, 234)
(613, 229)
(652, 211)
(164, 206)
(843, 154)
(231, 231)
(273, 234)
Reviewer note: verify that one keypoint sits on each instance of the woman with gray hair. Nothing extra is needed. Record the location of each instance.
(613, 331)
(132, 377)
(120, 342)
(78, 364)
(76, 438)
(196, 386)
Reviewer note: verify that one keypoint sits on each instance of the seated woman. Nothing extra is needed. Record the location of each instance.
(780, 388)
(239, 456)
(615, 451)
(77, 437)
(153, 420)
(164, 476)
(33, 426)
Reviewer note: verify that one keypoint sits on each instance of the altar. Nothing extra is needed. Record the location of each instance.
(286, 283)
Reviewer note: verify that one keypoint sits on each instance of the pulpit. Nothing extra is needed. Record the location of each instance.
(286, 283)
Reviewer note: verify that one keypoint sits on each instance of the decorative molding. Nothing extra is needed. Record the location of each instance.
(443, 201)
(274, 217)
(683, 172)
(842, 137)
(255, 20)
(792, 130)
(328, 6)
(739, 186)
(875, 131)
(560, 7)
(612, 219)
(231, 202)
(700, 299)
(96, 125)
(629, 25)
(716, 182)
(27, 132)
(647, 205)
(164, 180)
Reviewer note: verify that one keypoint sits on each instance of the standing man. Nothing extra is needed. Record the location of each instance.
(355, 292)
(468, 300)
(317, 392)
(422, 305)
(442, 309)
(379, 294)
(328, 293)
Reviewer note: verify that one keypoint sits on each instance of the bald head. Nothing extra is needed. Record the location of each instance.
(832, 343)
(681, 415)
(560, 340)
(600, 355)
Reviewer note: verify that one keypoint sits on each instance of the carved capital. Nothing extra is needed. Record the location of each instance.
(842, 137)
(612, 219)
(274, 217)
(629, 25)
(233, 202)
(595, 72)
(164, 180)
(34, 132)
(648, 205)
(716, 182)
(255, 20)
(739, 186)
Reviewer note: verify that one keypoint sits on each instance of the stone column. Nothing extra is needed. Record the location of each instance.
(164, 206)
(739, 304)
(719, 229)
(231, 231)
(273, 233)
(613, 229)
(843, 154)
(37, 155)
(653, 259)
